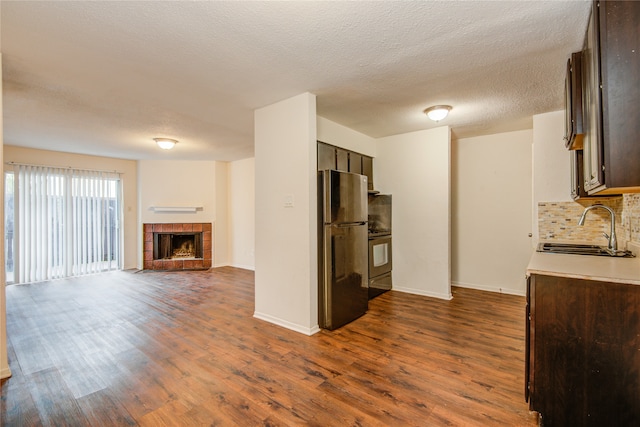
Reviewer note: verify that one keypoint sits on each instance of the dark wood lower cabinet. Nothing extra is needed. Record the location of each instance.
(583, 352)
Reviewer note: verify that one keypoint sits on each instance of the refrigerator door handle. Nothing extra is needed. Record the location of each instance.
(325, 306)
(350, 224)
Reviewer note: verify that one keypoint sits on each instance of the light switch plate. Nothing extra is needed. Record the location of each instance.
(288, 200)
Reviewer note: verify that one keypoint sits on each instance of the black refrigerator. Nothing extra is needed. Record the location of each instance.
(343, 253)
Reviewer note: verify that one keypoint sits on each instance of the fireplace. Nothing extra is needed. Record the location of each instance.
(177, 246)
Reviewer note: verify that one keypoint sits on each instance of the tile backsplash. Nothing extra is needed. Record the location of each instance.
(558, 221)
(631, 216)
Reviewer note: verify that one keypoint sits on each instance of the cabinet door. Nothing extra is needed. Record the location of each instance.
(326, 156)
(593, 163)
(574, 131)
(612, 90)
(342, 162)
(367, 169)
(583, 351)
(577, 181)
(576, 175)
(528, 345)
(619, 23)
(355, 162)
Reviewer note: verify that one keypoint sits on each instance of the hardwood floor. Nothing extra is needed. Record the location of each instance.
(182, 348)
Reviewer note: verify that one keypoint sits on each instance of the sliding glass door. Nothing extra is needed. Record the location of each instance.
(9, 247)
(66, 222)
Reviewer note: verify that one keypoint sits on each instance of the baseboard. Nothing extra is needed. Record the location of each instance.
(422, 292)
(220, 265)
(244, 267)
(5, 373)
(286, 324)
(499, 290)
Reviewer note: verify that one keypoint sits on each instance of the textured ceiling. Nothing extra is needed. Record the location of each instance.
(104, 78)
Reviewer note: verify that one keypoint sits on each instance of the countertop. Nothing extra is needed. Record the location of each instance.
(606, 269)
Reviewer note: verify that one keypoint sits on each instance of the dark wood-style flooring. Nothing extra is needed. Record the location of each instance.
(181, 349)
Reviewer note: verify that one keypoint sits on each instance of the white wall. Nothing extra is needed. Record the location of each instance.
(176, 183)
(341, 136)
(5, 372)
(286, 279)
(491, 202)
(551, 163)
(128, 168)
(242, 213)
(415, 169)
(221, 223)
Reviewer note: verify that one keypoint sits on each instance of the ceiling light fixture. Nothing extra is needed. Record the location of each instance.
(437, 112)
(165, 143)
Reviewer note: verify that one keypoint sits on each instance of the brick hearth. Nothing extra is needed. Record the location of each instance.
(177, 264)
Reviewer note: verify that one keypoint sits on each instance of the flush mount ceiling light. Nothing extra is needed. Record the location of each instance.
(437, 112)
(165, 143)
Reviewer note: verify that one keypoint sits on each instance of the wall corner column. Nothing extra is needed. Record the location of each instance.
(286, 237)
(5, 372)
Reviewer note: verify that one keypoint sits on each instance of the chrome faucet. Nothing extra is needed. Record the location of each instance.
(613, 241)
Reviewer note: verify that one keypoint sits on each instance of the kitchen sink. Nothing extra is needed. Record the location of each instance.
(576, 249)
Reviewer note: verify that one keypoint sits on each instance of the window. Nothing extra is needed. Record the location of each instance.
(66, 222)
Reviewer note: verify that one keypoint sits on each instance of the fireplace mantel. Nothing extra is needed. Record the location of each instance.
(189, 209)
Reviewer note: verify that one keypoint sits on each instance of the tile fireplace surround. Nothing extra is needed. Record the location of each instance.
(177, 264)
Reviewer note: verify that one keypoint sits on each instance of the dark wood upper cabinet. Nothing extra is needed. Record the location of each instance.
(577, 178)
(611, 72)
(367, 169)
(355, 162)
(593, 169)
(326, 157)
(573, 128)
(336, 158)
(342, 160)
(577, 187)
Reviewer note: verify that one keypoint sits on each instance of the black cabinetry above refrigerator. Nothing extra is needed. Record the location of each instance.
(335, 158)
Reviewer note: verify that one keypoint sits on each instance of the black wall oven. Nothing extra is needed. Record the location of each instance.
(379, 255)
(380, 264)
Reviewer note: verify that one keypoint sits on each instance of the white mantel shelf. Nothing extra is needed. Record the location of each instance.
(179, 209)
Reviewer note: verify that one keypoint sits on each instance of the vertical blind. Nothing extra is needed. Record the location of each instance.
(67, 222)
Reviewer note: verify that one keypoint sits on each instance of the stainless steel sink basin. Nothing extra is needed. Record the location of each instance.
(576, 249)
